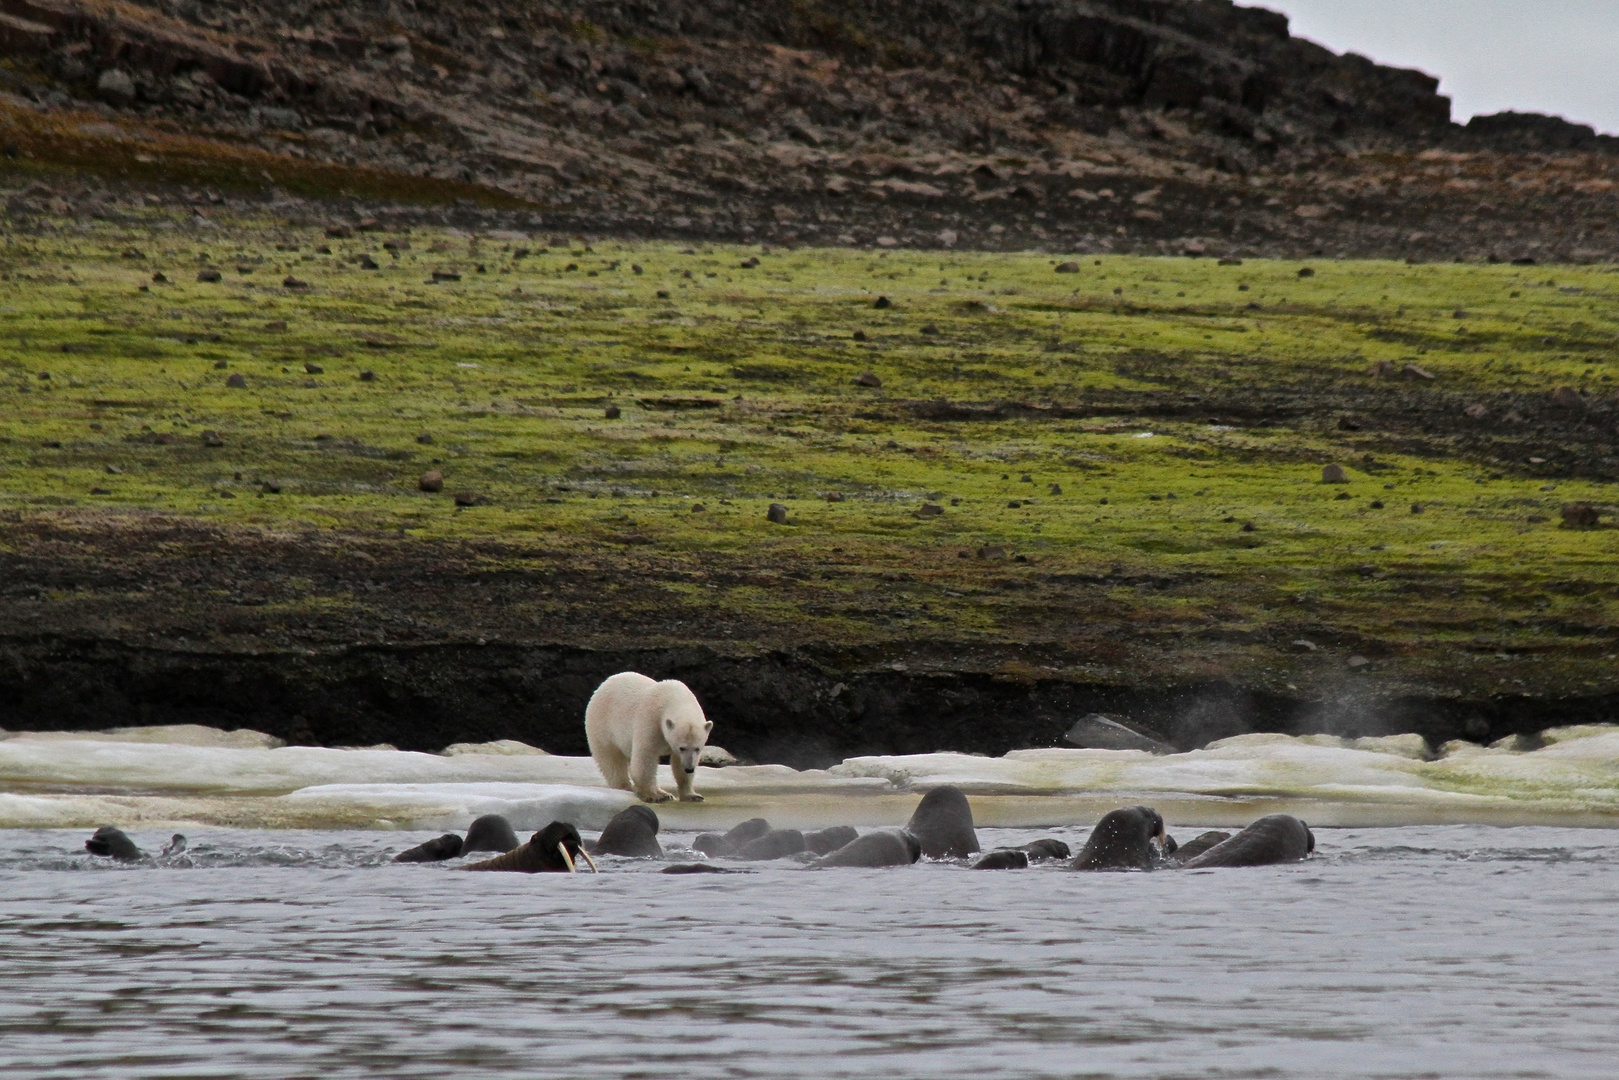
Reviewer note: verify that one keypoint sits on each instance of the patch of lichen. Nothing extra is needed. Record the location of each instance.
(1109, 468)
(58, 143)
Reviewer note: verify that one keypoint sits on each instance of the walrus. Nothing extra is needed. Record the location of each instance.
(551, 850)
(114, 843)
(1004, 859)
(633, 831)
(1198, 845)
(1037, 850)
(885, 847)
(716, 844)
(1128, 839)
(175, 846)
(437, 849)
(699, 868)
(943, 824)
(775, 844)
(1278, 838)
(489, 833)
(826, 841)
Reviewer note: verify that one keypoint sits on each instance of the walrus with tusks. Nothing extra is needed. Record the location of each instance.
(884, 847)
(633, 831)
(551, 850)
(1278, 838)
(943, 824)
(1128, 839)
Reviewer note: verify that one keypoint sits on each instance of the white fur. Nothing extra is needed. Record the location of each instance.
(632, 720)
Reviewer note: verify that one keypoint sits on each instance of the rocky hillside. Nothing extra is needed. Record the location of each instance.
(1130, 124)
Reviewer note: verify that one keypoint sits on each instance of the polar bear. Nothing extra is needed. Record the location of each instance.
(632, 720)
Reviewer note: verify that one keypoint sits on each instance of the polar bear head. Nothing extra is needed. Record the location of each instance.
(683, 726)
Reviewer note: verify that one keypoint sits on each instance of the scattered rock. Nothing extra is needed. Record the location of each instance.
(425, 439)
(834, 496)
(116, 88)
(1476, 412)
(1334, 474)
(1307, 272)
(237, 381)
(698, 508)
(467, 498)
(868, 379)
(313, 369)
(930, 510)
(992, 552)
(209, 276)
(368, 376)
(1580, 516)
(290, 282)
(1412, 371)
(211, 438)
(431, 481)
(338, 232)
(1068, 268)
(1566, 397)
(882, 302)
(1054, 489)
(1418, 508)
(777, 513)
(1358, 661)
(858, 335)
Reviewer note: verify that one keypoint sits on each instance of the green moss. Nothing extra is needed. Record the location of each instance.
(738, 389)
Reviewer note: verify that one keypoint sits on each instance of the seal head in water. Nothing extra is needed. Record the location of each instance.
(885, 847)
(115, 843)
(1279, 838)
(489, 833)
(437, 849)
(633, 831)
(1128, 839)
(943, 824)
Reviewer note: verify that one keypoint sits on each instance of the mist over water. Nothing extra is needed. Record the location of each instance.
(1449, 951)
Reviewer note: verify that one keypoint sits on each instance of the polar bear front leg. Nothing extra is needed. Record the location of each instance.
(683, 781)
(644, 774)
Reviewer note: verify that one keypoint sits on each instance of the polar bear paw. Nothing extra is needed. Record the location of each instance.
(657, 796)
(691, 797)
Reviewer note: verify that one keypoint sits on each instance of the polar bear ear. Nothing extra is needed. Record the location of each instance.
(708, 725)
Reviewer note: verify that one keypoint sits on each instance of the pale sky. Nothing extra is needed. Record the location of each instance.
(1549, 56)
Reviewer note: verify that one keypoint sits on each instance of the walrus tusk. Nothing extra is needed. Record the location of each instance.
(566, 857)
(589, 860)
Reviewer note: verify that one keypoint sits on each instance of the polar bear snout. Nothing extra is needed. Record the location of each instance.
(685, 758)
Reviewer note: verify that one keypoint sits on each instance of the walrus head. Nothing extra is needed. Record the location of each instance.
(562, 838)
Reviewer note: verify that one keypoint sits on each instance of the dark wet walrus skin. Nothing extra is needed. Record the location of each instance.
(540, 855)
(716, 844)
(115, 843)
(1044, 849)
(489, 833)
(438, 849)
(1005, 859)
(1199, 844)
(826, 841)
(775, 844)
(633, 831)
(1279, 838)
(1123, 840)
(699, 868)
(943, 824)
(885, 847)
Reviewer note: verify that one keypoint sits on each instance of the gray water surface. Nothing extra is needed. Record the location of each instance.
(1441, 952)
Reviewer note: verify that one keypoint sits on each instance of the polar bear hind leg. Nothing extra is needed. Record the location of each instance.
(614, 766)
